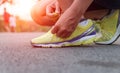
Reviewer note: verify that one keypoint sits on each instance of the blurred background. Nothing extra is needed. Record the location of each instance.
(15, 17)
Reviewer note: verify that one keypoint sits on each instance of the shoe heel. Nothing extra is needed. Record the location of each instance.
(115, 37)
(117, 34)
(118, 29)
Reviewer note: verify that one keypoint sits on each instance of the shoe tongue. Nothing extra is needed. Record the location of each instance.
(83, 23)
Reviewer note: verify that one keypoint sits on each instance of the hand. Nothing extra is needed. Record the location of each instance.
(68, 21)
(53, 9)
(65, 25)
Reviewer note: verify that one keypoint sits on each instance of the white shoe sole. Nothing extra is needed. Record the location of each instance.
(77, 41)
(68, 44)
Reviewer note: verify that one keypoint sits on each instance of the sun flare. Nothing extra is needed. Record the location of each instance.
(20, 8)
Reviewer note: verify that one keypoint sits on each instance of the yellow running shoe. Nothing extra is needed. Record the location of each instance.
(109, 27)
(84, 34)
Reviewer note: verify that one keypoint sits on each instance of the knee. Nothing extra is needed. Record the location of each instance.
(38, 14)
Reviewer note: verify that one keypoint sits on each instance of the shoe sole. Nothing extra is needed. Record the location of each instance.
(64, 44)
(81, 39)
(115, 37)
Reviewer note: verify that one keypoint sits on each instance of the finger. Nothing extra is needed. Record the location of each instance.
(57, 9)
(59, 33)
(63, 33)
(66, 35)
(49, 11)
(54, 29)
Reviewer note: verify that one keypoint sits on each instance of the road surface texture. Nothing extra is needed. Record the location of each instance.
(18, 56)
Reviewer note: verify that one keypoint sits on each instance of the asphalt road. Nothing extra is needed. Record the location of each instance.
(18, 56)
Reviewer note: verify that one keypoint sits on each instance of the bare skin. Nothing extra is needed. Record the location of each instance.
(67, 14)
(41, 16)
(96, 14)
(68, 21)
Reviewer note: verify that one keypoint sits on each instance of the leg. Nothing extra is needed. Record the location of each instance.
(38, 13)
(65, 4)
(109, 24)
(96, 11)
(96, 14)
(7, 27)
(100, 8)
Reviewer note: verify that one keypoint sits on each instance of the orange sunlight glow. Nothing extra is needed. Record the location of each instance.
(21, 8)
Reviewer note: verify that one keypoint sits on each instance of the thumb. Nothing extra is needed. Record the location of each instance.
(57, 9)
